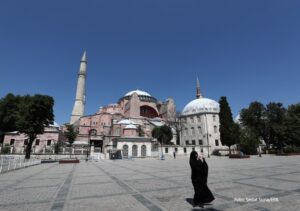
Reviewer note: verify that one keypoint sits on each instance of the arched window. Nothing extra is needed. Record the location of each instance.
(198, 119)
(125, 150)
(193, 130)
(144, 151)
(134, 150)
(147, 111)
(214, 118)
(215, 129)
(199, 130)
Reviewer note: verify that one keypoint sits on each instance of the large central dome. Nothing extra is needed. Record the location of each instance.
(139, 92)
(143, 96)
(201, 105)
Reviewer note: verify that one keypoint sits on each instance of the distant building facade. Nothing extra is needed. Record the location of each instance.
(44, 143)
(125, 127)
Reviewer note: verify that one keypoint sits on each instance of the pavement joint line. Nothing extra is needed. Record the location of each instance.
(92, 183)
(61, 196)
(22, 203)
(135, 193)
(258, 186)
(282, 193)
(23, 179)
(50, 178)
(162, 189)
(285, 180)
(99, 196)
(42, 186)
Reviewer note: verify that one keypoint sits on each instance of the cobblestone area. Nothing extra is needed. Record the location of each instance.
(267, 183)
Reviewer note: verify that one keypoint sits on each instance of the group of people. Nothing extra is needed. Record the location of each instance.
(199, 169)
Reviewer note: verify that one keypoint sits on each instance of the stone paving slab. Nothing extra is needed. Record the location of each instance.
(151, 184)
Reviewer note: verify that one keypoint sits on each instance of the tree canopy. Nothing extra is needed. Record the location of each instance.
(267, 121)
(292, 125)
(229, 130)
(163, 134)
(70, 133)
(26, 114)
(9, 112)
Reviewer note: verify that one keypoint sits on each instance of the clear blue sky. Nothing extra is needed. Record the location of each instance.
(245, 50)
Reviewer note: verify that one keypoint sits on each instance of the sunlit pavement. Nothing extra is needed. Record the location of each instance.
(267, 183)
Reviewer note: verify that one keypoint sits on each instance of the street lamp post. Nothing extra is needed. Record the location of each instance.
(162, 152)
(207, 134)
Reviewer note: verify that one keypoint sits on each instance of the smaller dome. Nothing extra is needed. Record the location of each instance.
(201, 105)
(139, 92)
(126, 122)
(54, 124)
(131, 126)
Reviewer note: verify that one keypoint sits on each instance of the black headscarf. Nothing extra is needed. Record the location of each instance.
(193, 157)
(199, 168)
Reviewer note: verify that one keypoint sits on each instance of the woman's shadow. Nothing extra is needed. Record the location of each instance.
(200, 207)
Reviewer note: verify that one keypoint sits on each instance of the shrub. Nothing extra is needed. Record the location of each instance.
(5, 149)
(216, 152)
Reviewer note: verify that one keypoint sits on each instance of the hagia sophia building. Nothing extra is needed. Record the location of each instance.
(124, 128)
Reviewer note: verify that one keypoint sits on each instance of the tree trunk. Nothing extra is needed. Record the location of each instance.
(178, 137)
(28, 148)
(229, 150)
(161, 150)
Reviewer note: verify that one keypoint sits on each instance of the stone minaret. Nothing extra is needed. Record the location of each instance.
(78, 109)
(198, 93)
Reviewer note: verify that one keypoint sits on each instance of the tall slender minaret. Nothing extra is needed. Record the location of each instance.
(78, 109)
(198, 93)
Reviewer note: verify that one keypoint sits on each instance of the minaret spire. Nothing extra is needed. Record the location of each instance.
(78, 109)
(198, 92)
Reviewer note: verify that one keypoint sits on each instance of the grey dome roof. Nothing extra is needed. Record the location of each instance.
(201, 105)
(139, 92)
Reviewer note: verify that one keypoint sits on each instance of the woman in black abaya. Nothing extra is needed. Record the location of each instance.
(199, 180)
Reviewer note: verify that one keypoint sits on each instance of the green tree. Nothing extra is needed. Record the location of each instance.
(57, 147)
(249, 140)
(33, 115)
(292, 125)
(8, 114)
(267, 122)
(276, 114)
(70, 134)
(163, 134)
(255, 118)
(229, 131)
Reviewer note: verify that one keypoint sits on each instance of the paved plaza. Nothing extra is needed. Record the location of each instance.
(267, 183)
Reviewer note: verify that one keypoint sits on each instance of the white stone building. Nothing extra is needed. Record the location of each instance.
(201, 124)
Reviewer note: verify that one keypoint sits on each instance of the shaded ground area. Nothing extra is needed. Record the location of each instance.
(267, 183)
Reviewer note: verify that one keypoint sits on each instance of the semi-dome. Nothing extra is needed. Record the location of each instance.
(139, 92)
(131, 126)
(201, 105)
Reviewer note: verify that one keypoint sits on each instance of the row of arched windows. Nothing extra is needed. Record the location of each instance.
(193, 131)
(194, 119)
(135, 150)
